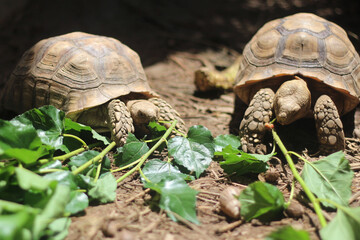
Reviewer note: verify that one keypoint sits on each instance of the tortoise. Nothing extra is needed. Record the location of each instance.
(297, 66)
(95, 80)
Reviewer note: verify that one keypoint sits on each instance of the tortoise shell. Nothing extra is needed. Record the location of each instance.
(302, 45)
(74, 72)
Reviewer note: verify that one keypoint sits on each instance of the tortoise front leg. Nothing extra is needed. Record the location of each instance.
(168, 113)
(119, 121)
(328, 125)
(252, 127)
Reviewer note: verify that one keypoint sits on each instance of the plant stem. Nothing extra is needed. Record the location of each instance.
(95, 159)
(291, 194)
(97, 173)
(77, 138)
(297, 176)
(50, 170)
(70, 154)
(146, 155)
(125, 167)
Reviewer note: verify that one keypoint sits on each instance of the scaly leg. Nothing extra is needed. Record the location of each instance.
(167, 113)
(252, 127)
(329, 126)
(120, 121)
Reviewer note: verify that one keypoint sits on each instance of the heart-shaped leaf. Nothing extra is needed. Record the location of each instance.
(330, 178)
(195, 152)
(261, 200)
(345, 225)
(155, 170)
(176, 197)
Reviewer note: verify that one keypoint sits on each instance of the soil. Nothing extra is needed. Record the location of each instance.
(173, 40)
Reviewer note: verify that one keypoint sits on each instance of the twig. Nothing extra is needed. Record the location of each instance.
(151, 226)
(354, 197)
(230, 226)
(355, 166)
(207, 200)
(129, 200)
(207, 192)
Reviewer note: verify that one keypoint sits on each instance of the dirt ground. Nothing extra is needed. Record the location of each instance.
(173, 39)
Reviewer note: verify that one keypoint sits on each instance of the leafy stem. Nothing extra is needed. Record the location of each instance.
(146, 155)
(125, 167)
(95, 159)
(97, 173)
(70, 154)
(77, 138)
(297, 176)
(291, 194)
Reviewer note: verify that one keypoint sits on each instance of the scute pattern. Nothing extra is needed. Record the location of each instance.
(75, 71)
(306, 45)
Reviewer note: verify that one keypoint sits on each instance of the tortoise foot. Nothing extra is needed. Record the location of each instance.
(120, 121)
(329, 126)
(167, 113)
(252, 127)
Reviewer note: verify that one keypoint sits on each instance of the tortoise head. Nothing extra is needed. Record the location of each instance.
(143, 111)
(292, 101)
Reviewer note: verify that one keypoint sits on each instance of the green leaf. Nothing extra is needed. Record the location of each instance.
(195, 152)
(62, 177)
(78, 127)
(176, 197)
(156, 127)
(15, 226)
(330, 178)
(156, 170)
(48, 122)
(222, 141)
(345, 225)
(82, 158)
(244, 163)
(55, 208)
(31, 181)
(261, 200)
(52, 165)
(131, 151)
(79, 201)
(287, 233)
(58, 229)
(20, 142)
(104, 189)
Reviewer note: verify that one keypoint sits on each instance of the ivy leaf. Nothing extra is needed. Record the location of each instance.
(62, 177)
(54, 209)
(48, 122)
(176, 197)
(287, 233)
(82, 158)
(195, 152)
(261, 200)
(104, 189)
(52, 165)
(78, 127)
(58, 229)
(131, 151)
(239, 162)
(156, 170)
(20, 142)
(29, 180)
(78, 202)
(330, 178)
(345, 225)
(223, 141)
(16, 225)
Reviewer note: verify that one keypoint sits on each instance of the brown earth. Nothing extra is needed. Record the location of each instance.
(174, 39)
